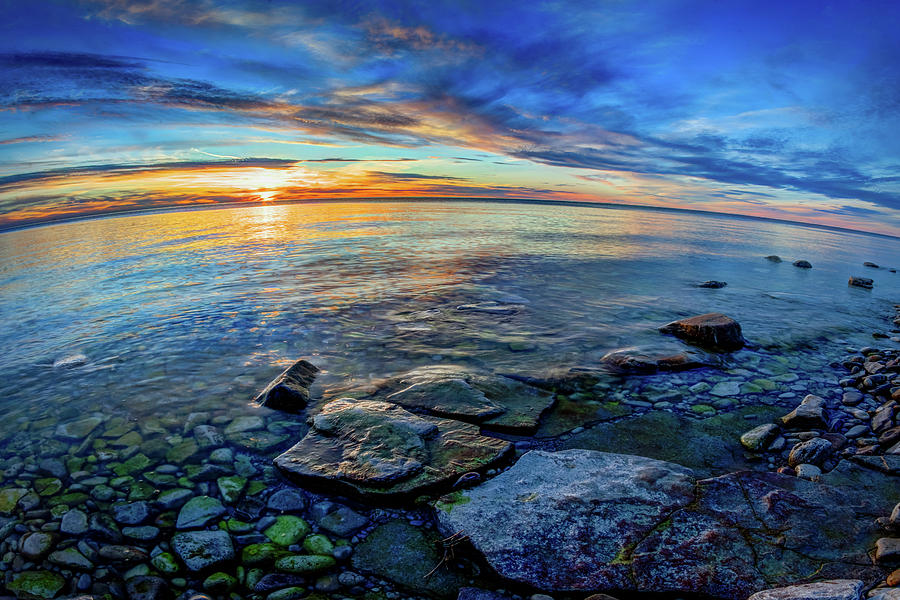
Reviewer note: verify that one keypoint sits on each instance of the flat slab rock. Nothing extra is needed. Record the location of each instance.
(379, 450)
(580, 520)
(493, 401)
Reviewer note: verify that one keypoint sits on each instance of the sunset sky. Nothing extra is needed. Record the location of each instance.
(784, 109)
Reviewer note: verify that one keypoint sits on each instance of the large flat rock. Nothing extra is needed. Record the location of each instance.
(379, 450)
(581, 520)
(493, 401)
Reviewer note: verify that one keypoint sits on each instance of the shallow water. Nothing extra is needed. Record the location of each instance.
(175, 308)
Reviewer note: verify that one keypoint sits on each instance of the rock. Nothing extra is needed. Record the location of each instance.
(712, 330)
(208, 436)
(808, 472)
(36, 585)
(472, 593)
(634, 361)
(583, 520)
(304, 563)
(810, 413)
(862, 282)
(122, 554)
(288, 593)
(174, 498)
(379, 450)
(102, 526)
(493, 401)
(244, 424)
(219, 583)
(712, 284)
(231, 487)
(836, 589)
(36, 544)
(71, 558)
(803, 264)
(871, 265)
(491, 307)
(202, 550)
(290, 390)
(887, 551)
(773, 258)
(9, 499)
(884, 594)
(133, 513)
(815, 452)
(724, 389)
(75, 431)
(405, 555)
(70, 361)
(759, 438)
(287, 530)
(198, 512)
(147, 587)
(342, 522)
(287, 500)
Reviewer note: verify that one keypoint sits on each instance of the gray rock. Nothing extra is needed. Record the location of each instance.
(35, 545)
(379, 450)
(857, 431)
(835, 589)
(71, 558)
(290, 390)
(712, 330)
(809, 472)
(887, 551)
(202, 550)
(74, 522)
(199, 511)
(726, 388)
(287, 500)
(759, 438)
(493, 401)
(635, 361)
(814, 452)
(174, 498)
(148, 587)
(343, 521)
(884, 594)
(810, 413)
(132, 513)
(580, 520)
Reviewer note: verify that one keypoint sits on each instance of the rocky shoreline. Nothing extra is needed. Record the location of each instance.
(446, 480)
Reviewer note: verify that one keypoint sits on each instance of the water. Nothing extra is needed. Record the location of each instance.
(174, 308)
(157, 323)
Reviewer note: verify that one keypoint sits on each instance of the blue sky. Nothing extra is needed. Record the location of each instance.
(781, 109)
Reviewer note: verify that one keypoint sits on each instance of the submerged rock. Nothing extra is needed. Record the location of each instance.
(70, 361)
(580, 520)
(380, 450)
(712, 330)
(773, 258)
(493, 401)
(290, 390)
(634, 361)
(712, 284)
(803, 264)
(759, 438)
(202, 550)
(863, 282)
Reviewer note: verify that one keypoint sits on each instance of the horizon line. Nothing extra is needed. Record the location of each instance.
(411, 199)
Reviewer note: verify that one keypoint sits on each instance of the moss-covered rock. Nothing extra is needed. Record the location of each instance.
(287, 530)
(36, 585)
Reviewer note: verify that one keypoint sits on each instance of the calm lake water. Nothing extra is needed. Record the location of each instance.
(184, 311)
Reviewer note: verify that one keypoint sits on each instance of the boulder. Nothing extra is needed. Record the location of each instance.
(803, 264)
(493, 401)
(290, 390)
(814, 452)
(809, 413)
(712, 330)
(580, 521)
(773, 258)
(379, 450)
(836, 589)
(863, 282)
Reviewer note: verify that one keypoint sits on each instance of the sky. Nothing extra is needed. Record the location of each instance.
(787, 109)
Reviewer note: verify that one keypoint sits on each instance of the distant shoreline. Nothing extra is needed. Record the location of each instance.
(442, 199)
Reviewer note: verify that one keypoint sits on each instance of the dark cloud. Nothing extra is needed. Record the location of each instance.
(386, 175)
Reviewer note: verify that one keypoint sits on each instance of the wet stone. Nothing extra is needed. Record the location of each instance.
(74, 522)
(287, 530)
(174, 498)
(199, 511)
(36, 545)
(71, 558)
(815, 452)
(133, 513)
(244, 424)
(36, 584)
(290, 390)
(147, 587)
(75, 431)
(842, 589)
(304, 563)
(343, 521)
(287, 500)
(713, 330)
(201, 550)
